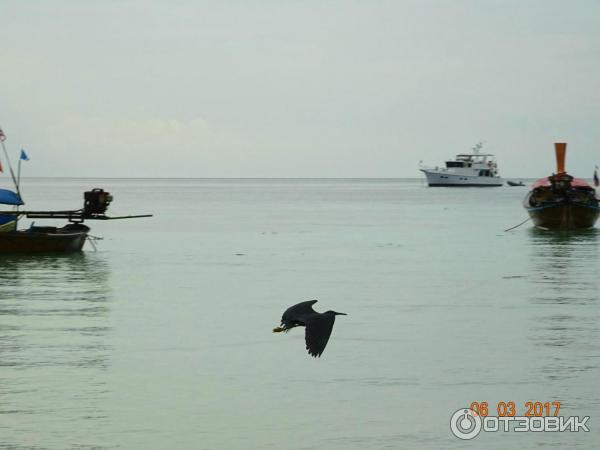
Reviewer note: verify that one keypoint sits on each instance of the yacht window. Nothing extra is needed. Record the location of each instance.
(454, 164)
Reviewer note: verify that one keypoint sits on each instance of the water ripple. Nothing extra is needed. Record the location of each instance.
(54, 313)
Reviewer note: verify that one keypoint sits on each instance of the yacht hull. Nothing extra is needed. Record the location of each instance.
(448, 179)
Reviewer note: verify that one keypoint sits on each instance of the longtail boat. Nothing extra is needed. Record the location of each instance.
(39, 239)
(560, 201)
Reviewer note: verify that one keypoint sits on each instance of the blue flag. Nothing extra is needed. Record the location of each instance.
(24, 156)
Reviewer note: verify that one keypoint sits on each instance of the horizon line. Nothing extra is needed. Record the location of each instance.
(239, 178)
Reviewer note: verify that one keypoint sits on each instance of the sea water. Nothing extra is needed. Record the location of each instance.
(161, 339)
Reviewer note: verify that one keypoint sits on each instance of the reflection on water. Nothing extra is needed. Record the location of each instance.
(54, 312)
(564, 266)
(68, 285)
(565, 292)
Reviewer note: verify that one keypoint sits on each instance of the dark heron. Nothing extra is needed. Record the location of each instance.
(318, 325)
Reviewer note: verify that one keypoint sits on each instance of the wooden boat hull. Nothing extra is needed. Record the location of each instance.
(564, 216)
(561, 201)
(57, 241)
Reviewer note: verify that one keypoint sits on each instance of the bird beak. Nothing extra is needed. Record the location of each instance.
(340, 314)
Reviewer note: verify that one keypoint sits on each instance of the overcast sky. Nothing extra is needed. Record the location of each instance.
(297, 88)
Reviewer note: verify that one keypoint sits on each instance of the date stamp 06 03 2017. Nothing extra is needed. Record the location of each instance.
(467, 423)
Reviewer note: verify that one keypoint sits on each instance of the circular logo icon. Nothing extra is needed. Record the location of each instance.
(465, 424)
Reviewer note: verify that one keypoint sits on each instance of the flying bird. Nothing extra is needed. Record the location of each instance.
(318, 325)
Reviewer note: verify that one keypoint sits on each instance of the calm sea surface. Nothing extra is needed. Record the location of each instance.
(162, 338)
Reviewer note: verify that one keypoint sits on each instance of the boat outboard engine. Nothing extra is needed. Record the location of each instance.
(96, 202)
(560, 182)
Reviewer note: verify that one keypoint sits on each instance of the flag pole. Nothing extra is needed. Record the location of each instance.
(12, 173)
(19, 175)
(18, 192)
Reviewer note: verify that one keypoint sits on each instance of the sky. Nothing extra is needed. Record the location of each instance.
(297, 88)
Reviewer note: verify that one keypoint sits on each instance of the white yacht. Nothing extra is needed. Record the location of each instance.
(467, 169)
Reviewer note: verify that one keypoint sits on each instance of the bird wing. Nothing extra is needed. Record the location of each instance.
(301, 309)
(318, 330)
